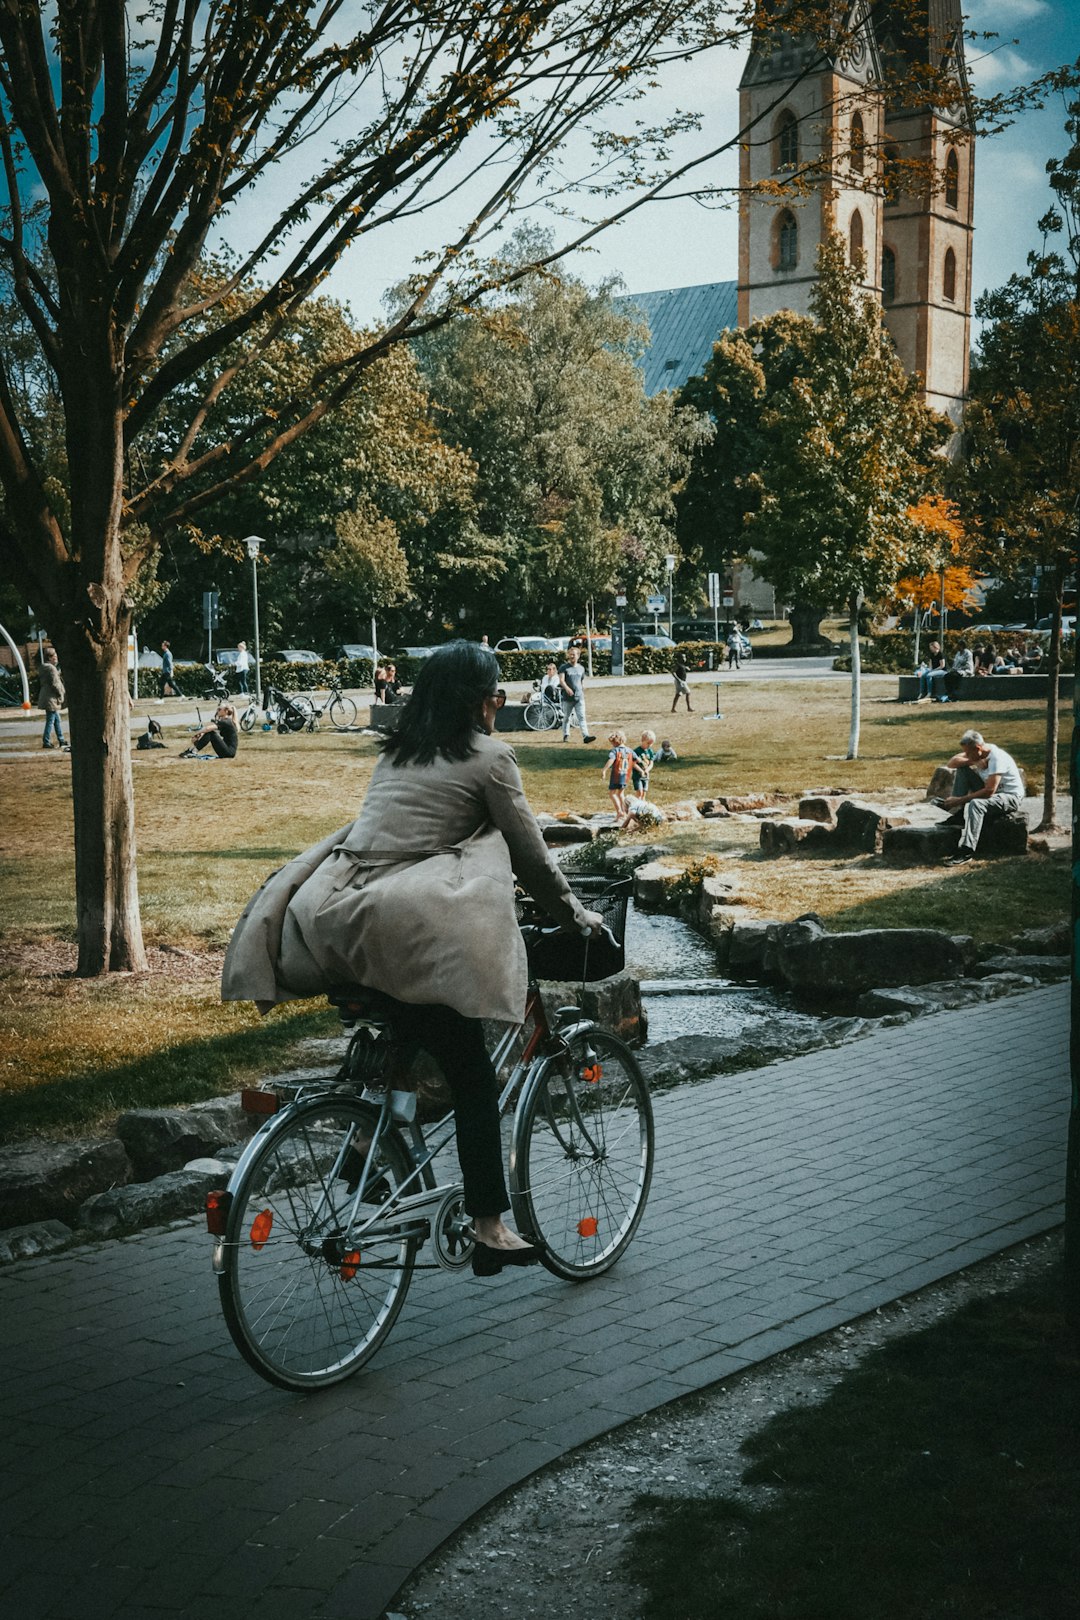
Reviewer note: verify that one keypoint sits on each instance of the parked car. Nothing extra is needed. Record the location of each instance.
(352, 649)
(656, 642)
(412, 652)
(295, 655)
(1068, 624)
(226, 656)
(533, 644)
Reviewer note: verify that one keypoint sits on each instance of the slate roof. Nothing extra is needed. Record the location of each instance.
(685, 323)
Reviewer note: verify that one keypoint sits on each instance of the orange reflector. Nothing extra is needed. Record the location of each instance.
(587, 1227)
(260, 1229)
(253, 1101)
(592, 1072)
(217, 1212)
(350, 1265)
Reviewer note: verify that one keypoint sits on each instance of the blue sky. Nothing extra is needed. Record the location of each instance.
(680, 243)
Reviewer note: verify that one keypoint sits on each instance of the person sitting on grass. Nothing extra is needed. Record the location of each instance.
(666, 754)
(221, 734)
(987, 782)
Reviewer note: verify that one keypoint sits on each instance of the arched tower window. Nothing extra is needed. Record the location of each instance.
(858, 143)
(892, 176)
(855, 238)
(952, 179)
(787, 141)
(888, 276)
(787, 241)
(948, 279)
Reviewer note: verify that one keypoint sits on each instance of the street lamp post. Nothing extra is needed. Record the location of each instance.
(253, 544)
(669, 564)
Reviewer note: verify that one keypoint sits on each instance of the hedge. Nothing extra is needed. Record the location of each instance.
(893, 653)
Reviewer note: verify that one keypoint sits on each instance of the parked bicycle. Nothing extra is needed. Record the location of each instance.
(339, 709)
(317, 1235)
(542, 712)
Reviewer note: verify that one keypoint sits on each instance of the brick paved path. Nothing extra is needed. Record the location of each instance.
(148, 1472)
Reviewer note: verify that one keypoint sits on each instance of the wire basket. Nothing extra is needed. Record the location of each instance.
(554, 954)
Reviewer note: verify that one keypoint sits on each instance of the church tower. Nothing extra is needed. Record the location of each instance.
(824, 149)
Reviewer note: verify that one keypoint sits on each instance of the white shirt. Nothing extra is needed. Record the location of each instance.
(243, 659)
(999, 763)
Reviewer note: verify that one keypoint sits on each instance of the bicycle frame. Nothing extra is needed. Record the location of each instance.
(402, 1216)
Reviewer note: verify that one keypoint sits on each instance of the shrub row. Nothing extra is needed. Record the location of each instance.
(893, 653)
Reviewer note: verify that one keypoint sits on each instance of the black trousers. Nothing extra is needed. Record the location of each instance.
(458, 1047)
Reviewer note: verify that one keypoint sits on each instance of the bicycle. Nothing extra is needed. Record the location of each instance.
(340, 708)
(290, 711)
(317, 1234)
(542, 713)
(249, 716)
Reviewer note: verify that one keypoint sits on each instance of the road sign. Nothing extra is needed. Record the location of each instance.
(210, 602)
(656, 603)
(714, 590)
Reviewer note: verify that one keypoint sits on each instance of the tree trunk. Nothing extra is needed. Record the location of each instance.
(1072, 1158)
(106, 883)
(805, 619)
(856, 678)
(1053, 666)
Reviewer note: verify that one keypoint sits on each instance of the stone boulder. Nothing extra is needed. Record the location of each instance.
(919, 846)
(746, 950)
(1003, 836)
(623, 861)
(41, 1237)
(941, 783)
(567, 832)
(614, 1003)
(782, 836)
(714, 894)
(949, 995)
(745, 803)
(847, 964)
(818, 807)
(862, 826)
(1051, 941)
(41, 1181)
(713, 809)
(682, 810)
(152, 1203)
(653, 883)
(162, 1139)
(1043, 968)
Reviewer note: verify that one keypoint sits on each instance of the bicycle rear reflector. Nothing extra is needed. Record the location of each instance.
(253, 1101)
(587, 1227)
(350, 1265)
(217, 1212)
(260, 1229)
(592, 1072)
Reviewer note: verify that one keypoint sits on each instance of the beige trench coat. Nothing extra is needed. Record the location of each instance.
(415, 898)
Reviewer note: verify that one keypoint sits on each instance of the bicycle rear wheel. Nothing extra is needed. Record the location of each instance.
(248, 718)
(534, 716)
(306, 1301)
(342, 713)
(582, 1155)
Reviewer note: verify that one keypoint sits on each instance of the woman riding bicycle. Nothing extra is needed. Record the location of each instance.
(416, 900)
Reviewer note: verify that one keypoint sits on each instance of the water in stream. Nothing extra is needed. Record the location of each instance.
(666, 954)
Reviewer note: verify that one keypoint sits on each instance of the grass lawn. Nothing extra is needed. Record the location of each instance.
(76, 1051)
(941, 1477)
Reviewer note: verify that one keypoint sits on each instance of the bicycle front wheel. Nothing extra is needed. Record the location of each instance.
(342, 713)
(582, 1155)
(307, 1293)
(248, 718)
(534, 715)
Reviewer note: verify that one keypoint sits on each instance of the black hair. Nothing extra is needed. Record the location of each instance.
(442, 714)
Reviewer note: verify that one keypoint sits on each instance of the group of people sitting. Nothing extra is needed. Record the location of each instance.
(387, 685)
(939, 681)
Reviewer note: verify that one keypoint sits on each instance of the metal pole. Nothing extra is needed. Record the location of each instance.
(255, 602)
(135, 665)
(588, 634)
(374, 643)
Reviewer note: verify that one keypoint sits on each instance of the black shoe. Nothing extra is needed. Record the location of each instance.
(587, 739)
(488, 1262)
(961, 858)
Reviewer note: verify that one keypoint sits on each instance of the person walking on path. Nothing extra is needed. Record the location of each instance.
(987, 783)
(682, 689)
(734, 647)
(243, 664)
(167, 678)
(572, 692)
(51, 698)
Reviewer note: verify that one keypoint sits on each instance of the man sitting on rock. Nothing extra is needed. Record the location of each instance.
(987, 782)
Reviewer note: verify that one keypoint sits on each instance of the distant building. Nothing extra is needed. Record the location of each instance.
(800, 106)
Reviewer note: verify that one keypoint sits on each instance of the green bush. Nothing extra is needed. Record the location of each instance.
(893, 653)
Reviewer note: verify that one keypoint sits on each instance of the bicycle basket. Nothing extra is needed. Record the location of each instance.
(554, 954)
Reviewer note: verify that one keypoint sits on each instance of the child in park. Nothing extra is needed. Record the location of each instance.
(644, 754)
(666, 754)
(617, 768)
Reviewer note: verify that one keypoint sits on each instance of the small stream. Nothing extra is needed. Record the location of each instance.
(683, 993)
